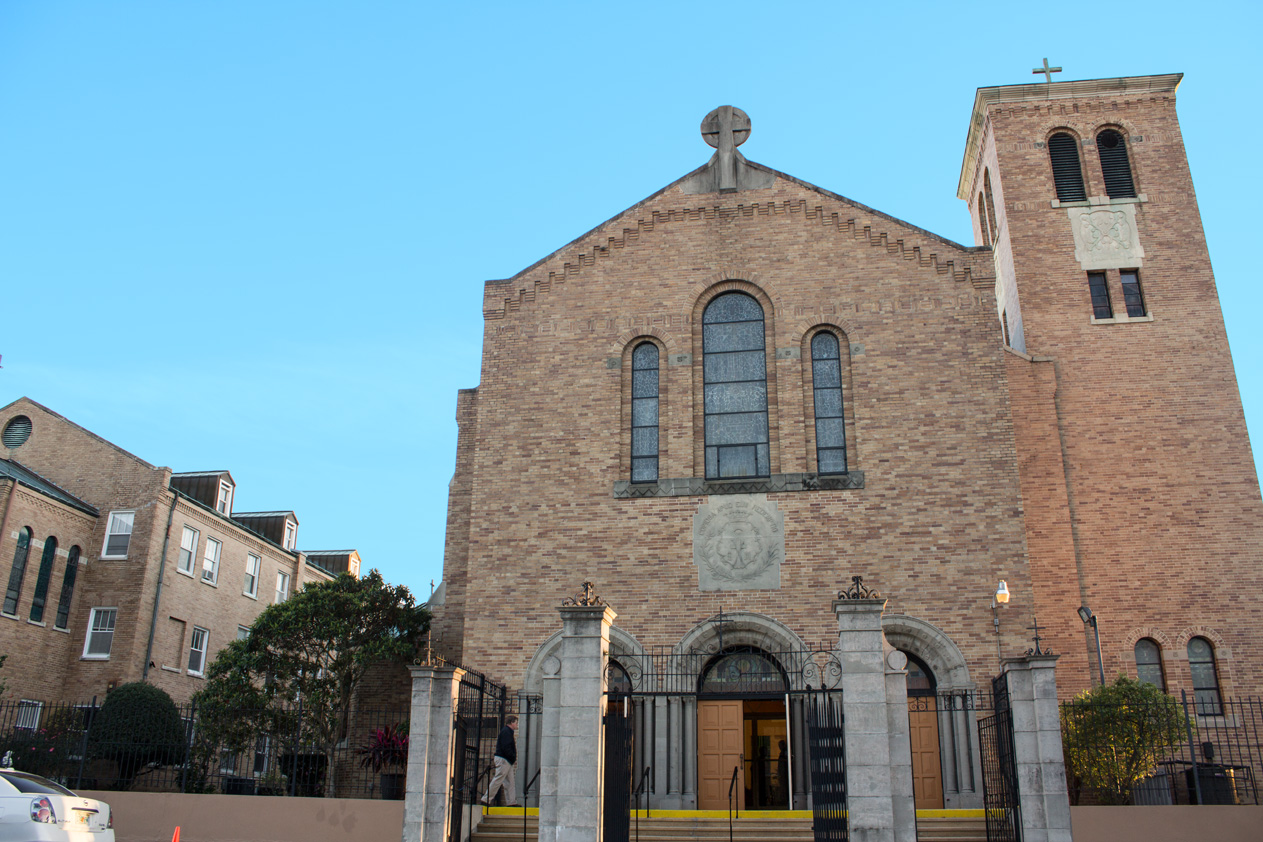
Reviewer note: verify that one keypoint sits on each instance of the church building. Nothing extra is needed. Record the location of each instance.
(730, 400)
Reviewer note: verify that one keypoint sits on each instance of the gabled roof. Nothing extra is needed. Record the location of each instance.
(25, 476)
(83, 430)
(290, 515)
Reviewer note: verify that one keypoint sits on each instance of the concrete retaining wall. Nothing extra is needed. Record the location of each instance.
(153, 816)
(1167, 824)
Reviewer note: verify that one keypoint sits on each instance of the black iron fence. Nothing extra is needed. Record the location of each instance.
(1166, 751)
(265, 752)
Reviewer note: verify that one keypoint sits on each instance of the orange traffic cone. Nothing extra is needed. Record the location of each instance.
(176, 838)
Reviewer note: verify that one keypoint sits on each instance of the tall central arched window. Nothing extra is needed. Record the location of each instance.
(42, 579)
(735, 378)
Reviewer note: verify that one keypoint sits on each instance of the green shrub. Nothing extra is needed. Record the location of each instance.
(139, 725)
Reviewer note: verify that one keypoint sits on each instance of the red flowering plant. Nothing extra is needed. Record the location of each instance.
(385, 748)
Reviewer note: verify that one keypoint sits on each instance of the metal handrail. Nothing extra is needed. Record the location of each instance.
(732, 785)
(644, 776)
(526, 790)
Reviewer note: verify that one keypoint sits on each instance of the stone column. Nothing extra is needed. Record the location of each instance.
(1041, 769)
(425, 808)
(903, 801)
(875, 801)
(571, 796)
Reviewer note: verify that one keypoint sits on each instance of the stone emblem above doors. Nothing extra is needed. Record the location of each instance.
(738, 543)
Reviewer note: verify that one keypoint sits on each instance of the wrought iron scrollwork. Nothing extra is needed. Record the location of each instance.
(858, 590)
(586, 597)
(821, 670)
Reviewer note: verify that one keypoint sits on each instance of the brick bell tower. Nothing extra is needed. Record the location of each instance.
(1138, 481)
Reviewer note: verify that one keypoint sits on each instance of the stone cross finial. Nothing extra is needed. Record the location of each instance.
(1047, 71)
(726, 128)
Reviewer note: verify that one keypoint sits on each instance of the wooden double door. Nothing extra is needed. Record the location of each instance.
(749, 737)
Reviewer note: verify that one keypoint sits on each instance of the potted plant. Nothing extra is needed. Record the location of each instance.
(387, 748)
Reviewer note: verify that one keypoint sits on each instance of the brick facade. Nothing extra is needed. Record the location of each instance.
(46, 663)
(1104, 464)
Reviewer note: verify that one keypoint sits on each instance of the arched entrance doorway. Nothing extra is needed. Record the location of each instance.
(923, 732)
(742, 730)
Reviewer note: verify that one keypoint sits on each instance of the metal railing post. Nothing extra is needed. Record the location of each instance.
(1192, 753)
(188, 744)
(83, 744)
(731, 785)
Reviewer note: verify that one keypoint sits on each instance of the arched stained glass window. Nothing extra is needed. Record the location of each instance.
(1063, 151)
(735, 383)
(745, 671)
(1111, 146)
(921, 681)
(826, 383)
(67, 589)
(993, 224)
(1149, 663)
(41, 580)
(644, 410)
(18, 571)
(1201, 663)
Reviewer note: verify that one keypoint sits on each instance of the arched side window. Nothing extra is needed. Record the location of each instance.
(734, 368)
(1115, 166)
(17, 572)
(1149, 663)
(1063, 151)
(1201, 663)
(921, 681)
(644, 413)
(993, 225)
(826, 387)
(67, 589)
(983, 224)
(41, 580)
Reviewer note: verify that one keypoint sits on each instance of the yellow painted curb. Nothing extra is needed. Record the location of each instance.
(509, 811)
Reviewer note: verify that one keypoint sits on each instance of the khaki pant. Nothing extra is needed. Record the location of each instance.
(503, 777)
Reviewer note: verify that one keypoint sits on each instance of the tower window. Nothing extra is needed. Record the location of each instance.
(1149, 663)
(42, 579)
(67, 589)
(983, 225)
(644, 413)
(1132, 296)
(734, 366)
(1115, 167)
(1063, 151)
(826, 382)
(1004, 321)
(1101, 308)
(992, 225)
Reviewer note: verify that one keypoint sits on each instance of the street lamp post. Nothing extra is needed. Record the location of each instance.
(1086, 615)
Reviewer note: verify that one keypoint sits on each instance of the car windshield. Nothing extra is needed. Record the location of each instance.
(33, 783)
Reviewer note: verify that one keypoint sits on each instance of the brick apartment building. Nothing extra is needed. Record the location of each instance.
(728, 400)
(117, 570)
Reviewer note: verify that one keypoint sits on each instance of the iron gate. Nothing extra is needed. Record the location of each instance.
(459, 736)
(826, 739)
(619, 754)
(999, 768)
(481, 705)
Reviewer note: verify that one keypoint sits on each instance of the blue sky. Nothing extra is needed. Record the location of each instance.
(253, 235)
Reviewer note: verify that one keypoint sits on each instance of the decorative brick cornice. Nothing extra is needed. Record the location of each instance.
(504, 297)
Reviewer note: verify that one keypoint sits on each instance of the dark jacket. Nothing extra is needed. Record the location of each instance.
(506, 745)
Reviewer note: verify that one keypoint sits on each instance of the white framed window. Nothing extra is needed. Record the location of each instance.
(28, 714)
(223, 504)
(188, 550)
(119, 536)
(210, 561)
(197, 650)
(100, 633)
(291, 535)
(282, 586)
(253, 563)
(243, 632)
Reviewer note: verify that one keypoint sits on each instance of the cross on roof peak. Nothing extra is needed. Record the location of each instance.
(1047, 71)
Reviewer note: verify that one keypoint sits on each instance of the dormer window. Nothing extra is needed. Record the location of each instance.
(223, 504)
(291, 535)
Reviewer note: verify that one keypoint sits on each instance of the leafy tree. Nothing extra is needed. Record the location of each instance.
(309, 654)
(1114, 735)
(137, 725)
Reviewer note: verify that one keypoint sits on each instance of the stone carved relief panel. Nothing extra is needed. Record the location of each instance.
(738, 543)
(1106, 237)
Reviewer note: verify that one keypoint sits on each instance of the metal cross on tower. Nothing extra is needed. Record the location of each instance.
(1047, 71)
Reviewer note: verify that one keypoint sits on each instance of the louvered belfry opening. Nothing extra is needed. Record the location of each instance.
(1115, 167)
(1063, 150)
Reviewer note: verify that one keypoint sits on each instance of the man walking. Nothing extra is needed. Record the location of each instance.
(506, 757)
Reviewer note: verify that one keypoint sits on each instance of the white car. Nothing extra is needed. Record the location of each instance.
(34, 809)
